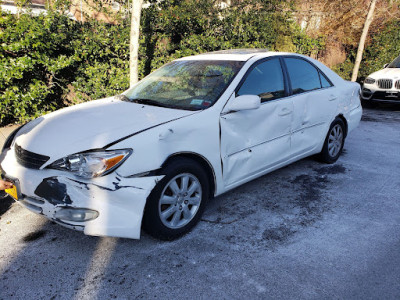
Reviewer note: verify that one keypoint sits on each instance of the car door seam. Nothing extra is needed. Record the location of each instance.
(307, 127)
(259, 144)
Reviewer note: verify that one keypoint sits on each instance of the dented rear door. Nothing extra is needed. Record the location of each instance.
(315, 101)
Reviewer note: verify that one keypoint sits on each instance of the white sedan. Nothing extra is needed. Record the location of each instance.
(196, 128)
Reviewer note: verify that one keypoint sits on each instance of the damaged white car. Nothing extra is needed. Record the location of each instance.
(195, 128)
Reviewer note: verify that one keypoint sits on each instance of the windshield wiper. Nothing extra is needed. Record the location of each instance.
(151, 102)
(122, 97)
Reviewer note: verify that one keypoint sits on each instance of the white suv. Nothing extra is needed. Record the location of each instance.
(383, 85)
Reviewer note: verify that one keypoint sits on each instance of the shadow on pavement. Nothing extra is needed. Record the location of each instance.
(5, 204)
(377, 106)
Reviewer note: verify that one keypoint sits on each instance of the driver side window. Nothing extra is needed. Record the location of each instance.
(264, 80)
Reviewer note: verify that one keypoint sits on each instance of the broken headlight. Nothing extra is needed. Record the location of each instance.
(92, 164)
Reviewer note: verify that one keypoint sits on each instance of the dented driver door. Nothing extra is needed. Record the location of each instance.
(255, 140)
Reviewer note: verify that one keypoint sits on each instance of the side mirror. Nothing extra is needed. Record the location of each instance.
(244, 102)
(385, 66)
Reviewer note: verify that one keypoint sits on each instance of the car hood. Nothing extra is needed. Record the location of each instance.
(91, 125)
(389, 73)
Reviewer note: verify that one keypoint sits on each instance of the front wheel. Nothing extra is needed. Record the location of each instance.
(334, 142)
(177, 202)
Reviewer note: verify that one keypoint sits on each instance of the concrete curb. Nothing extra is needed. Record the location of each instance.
(5, 132)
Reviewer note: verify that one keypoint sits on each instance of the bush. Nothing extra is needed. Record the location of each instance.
(103, 51)
(38, 60)
(382, 49)
(51, 61)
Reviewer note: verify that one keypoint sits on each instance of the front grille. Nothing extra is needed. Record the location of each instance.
(29, 159)
(385, 83)
(397, 84)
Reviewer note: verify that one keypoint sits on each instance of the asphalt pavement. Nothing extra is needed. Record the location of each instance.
(307, 231)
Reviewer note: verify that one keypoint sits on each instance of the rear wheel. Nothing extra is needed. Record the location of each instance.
(334, 142)
(177, 202)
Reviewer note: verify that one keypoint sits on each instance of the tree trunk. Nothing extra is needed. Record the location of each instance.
(134, 43)
(364, 34)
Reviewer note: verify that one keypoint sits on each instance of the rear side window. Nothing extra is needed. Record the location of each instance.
(264, 80)
(324, 82)
(304, 76)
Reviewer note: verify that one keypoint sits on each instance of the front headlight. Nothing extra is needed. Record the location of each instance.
(92, 164)
(369, 80)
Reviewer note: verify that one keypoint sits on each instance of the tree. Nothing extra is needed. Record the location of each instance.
(134, 41)
(364, 34)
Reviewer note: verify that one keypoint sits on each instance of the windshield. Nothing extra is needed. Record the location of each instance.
(395, 63)
(185, 84)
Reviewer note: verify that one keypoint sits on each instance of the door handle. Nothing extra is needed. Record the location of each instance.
(285, 111)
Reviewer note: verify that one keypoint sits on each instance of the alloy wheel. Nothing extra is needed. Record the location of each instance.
(180, 200)
(335, 140)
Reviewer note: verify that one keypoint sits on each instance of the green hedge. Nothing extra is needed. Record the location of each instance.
(51, 61)
(382, 49)
(38, 60)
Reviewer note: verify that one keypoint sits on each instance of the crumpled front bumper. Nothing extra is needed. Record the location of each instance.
(119, 201)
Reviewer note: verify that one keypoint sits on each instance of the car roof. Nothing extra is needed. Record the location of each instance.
(233, 54)
(246, 54)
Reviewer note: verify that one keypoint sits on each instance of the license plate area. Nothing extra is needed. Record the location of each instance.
(392, 94)
(15, 191)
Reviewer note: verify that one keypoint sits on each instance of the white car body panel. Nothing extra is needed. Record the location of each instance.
(237, 146)
(247, 138)
(77, 125)
(313, 114)
(121, 200)
(386, 73)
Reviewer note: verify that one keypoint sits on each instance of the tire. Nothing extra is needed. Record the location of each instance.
(334, 142)
(3, 195)
(177, 202)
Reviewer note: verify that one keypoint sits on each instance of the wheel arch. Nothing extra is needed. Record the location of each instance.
(201, 160)
(341, 117)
